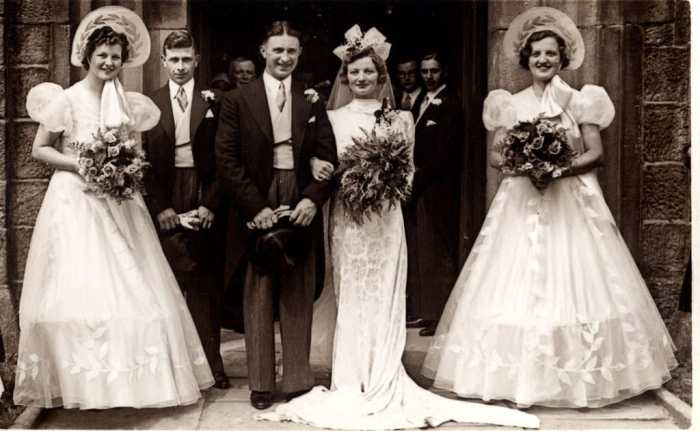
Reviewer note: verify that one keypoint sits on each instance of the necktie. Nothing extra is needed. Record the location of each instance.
(181, 97)
(406, 102)
(281, 97)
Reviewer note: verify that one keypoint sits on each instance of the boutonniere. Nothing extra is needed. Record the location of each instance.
(208, 96)
(311, 95)
(436, 101)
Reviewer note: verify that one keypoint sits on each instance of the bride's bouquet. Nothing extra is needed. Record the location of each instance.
(375, 171)
(537, 149)
(112, 165)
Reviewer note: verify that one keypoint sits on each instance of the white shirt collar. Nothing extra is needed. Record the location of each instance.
(432, 94)
(272, 84)
(415, 93)
(188, 86)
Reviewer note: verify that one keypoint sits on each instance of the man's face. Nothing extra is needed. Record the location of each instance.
(180, 64)
(281, 54)
(432, 74)
(243, 72)
(408, 76)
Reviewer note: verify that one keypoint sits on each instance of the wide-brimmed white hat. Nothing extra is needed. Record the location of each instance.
(539, 19)
(121, 20)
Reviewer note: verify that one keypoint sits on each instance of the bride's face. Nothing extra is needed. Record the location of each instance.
(106, 61)
(362, 78)
(545, 61)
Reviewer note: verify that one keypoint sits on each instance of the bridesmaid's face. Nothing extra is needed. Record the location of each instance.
(545, 61)
(362, 78)
(106, 61)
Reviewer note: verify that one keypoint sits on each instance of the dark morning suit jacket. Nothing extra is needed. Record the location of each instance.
(416, 104)
(432, 215)
(244, 152)
(203, 286)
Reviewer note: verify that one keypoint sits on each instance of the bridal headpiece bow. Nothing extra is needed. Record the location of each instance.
(539, 19)
(356, 41)
(121, 20)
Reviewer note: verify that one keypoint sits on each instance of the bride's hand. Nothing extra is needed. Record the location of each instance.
(321, 170)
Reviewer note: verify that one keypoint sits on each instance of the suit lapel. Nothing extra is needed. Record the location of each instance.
(300, 114)
(415, 109)
(199, 107)
(430, 105)
(259, 108)
(167, 121)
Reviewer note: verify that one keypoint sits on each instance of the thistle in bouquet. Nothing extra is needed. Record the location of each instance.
(375, 171)
(538, 149)
(112, 165)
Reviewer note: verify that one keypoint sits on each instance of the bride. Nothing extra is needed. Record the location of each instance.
(102, 320)
(370, 388)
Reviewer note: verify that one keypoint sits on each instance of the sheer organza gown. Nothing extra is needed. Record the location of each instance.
(370, 388)
(550, 307)
(102, 320)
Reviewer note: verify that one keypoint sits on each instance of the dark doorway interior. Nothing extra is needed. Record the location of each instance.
(229, 29)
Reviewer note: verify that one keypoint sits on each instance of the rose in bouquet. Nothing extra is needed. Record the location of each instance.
(537, 149)
(375, 171)
(112, 165)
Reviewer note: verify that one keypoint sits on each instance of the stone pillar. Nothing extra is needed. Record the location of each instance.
(665, 181)
(38, 44)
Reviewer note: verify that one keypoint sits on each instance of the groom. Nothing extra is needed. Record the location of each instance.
(268, 131)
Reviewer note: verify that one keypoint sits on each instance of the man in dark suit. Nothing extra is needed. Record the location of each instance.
(411, 91)
(432, 215)
(268, 131)
(182, 178)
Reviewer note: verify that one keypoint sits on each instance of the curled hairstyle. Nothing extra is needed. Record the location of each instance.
(179, 39)
(357, 55)
(105, 35)
(537, 36)
(279, 28)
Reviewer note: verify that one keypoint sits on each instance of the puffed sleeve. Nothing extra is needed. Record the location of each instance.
(408, 126)
(48, 104)
(145, 113)
(592, 105)
(499, 111)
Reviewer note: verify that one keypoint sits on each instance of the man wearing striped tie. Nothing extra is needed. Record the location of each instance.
(182, 179)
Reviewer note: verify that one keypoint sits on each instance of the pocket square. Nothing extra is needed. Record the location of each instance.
(209, 114)
(312, 119)
(430, 123)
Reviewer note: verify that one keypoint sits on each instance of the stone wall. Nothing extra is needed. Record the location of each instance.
(665, 191)
(37, 40)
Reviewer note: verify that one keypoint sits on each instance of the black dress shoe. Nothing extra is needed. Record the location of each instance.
(261, 399)
(221, 381)
(292, 395)
(416, 322)
(429, 329)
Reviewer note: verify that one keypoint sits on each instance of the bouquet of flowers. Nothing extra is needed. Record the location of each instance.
(537, 149)
(375, 171)
(112, 164)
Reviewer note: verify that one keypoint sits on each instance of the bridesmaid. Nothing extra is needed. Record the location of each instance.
(550, 307)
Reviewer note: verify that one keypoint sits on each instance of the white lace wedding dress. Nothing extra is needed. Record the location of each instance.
(370, 388)
(550, 307)
(102, 320)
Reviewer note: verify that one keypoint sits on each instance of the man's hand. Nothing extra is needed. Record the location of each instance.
(265, 219)
(304, 212)
(206, 217)
(321, 169)
(167, 219)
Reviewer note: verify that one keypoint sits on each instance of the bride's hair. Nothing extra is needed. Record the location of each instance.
(105, 36)
(357, 55)
(537, 36)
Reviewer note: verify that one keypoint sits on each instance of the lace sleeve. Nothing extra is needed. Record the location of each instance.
(145, 113)
(409, 130)
(499, 111)
(592, 105)
(48, 105)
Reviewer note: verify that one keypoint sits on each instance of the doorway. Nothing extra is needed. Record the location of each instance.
(229, 29)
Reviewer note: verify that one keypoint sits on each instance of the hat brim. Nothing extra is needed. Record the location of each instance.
(122, 20)
(544, 18)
